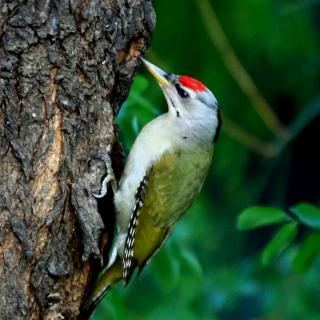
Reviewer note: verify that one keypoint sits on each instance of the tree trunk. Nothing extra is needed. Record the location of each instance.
(65, 68)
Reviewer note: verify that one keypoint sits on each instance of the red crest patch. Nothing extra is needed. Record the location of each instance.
(192, 83)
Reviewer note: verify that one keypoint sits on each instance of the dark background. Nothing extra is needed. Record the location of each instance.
(251, 54)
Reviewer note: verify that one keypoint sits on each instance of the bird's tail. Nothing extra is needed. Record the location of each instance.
(100, 288)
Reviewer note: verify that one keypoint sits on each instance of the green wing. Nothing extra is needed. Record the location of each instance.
(168, 190)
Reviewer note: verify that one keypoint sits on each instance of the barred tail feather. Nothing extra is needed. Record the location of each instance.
(104, 283)
(88, 308)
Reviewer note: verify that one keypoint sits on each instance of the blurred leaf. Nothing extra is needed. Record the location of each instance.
(170, 311)
(281, 241)
(307, 214)
(140, 84)
(190, 261)
(135, 112)
(112, 307)
(141, 102)
(166, 268)
(255, 217)
(308, 251)
(135, 125)
(136, 97)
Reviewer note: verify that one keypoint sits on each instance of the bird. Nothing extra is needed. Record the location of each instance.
(165, 170)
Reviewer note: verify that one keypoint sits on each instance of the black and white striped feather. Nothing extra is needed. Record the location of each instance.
(129, 262)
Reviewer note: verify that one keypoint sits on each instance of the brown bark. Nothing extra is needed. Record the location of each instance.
(65, 68)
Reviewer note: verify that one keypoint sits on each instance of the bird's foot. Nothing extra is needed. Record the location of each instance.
(110, 177)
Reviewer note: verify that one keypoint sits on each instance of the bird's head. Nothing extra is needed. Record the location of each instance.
(187, 98)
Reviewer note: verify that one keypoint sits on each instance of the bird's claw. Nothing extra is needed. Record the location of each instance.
(105, 157)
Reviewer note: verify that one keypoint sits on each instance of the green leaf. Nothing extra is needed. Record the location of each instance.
(255, 217)
(309, 250)
(307, 214)
(135, 125)
(141, 102)
(280, 242)
(166, 268)
(190, 262)
(140, 84)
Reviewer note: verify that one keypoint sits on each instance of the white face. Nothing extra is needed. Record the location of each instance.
(189, 97)
(190, 101)
(194, 105)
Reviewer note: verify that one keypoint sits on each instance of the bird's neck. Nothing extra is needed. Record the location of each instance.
(198, 130)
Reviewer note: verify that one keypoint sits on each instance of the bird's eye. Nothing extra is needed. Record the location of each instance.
(182, 93)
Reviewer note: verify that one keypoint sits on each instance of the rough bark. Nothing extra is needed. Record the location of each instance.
(65, 68)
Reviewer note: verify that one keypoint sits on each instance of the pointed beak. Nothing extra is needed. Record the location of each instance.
(159, 75)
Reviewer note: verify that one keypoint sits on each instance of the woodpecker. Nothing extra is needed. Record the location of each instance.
(165, 170)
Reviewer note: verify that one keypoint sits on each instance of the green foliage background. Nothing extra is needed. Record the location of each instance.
(209, 269)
